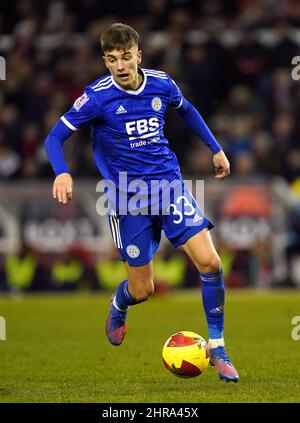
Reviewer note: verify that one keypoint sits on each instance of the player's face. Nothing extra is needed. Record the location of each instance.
(123, 65)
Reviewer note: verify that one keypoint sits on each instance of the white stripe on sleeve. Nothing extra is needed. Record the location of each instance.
(68, 124)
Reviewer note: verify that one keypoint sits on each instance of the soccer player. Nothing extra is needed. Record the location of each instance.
(125, 110)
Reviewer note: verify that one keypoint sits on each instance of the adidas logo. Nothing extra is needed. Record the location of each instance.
(217, 310)
(196, 218)
(121, 110)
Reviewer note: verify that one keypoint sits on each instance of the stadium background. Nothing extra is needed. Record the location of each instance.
(232, 60)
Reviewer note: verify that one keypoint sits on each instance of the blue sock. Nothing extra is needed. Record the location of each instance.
(213, 298)
(123, 299)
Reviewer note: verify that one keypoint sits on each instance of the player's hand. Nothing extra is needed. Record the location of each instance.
(63, 188)
(221, 164)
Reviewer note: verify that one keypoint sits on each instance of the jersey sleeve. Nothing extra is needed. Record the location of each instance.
(84, 110)
(176, 96)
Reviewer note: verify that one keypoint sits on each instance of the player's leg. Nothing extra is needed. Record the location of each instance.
(187, 227)
(201, 250)
(140, 281)
(136, 241)
(203, 254)
(136, 289)
(138, 286)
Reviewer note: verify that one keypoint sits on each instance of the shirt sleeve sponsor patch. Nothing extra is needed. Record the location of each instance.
(81, 101)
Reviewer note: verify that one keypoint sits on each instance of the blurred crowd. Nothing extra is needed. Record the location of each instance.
(79, 269)
(232, 60)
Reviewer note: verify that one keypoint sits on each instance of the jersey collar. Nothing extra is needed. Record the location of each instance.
(134, 92)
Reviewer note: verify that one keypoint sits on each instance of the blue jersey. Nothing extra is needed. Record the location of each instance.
(127, 126)
(127, 135)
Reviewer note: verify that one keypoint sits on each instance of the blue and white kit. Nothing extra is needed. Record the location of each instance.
(127, 136)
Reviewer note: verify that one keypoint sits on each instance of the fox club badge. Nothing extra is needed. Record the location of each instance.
(133, 251)
(156, 104)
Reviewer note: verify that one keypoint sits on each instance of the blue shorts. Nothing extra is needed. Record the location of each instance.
(137, 237)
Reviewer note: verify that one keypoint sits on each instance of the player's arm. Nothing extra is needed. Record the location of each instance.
(84, 110)
(63, 183)
(194, 120)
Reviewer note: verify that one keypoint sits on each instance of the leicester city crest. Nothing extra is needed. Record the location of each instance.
(133, 251)
(156, 104)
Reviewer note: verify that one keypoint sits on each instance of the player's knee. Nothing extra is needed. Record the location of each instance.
(210, 264)
(143, 293)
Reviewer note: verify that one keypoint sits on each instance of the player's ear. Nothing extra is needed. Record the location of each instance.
(104, 59)
(139, 56)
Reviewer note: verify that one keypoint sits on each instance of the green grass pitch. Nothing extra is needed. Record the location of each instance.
(56, 350)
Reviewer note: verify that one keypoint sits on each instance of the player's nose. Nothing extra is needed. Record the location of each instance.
(120, 65)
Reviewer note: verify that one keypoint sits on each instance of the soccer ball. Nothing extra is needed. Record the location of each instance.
(186, 354)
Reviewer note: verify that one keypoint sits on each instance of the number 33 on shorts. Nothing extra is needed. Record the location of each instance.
(183, 207)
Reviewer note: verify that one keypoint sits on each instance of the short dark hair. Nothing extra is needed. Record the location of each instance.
(118, 36)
